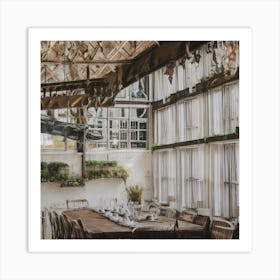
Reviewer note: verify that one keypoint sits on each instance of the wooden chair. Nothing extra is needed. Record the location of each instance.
(59, 228)
(77, 231)
(170, 212)
(63, 227)
(203, 221)
(53, 225)
(67, 226)
(221, 229)
(85, 233)
(188, 214)
(76, 203)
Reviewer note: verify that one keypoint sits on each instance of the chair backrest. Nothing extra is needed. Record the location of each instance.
(188, 214)
(170, 212)
(63, 227)
(205, 212)
(202, 221)
(77, 231)
(53, 225)
(221, 229)
(59, 230)
(84, 230)
(77, 203)
(66, 226)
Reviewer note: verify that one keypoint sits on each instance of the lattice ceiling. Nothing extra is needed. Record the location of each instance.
(91, 73)
(80, 60)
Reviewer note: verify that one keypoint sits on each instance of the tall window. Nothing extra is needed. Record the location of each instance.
(165, 125)
(223, 105)
(164, 163)
(190, 116)
(224, 179)
(194, 192)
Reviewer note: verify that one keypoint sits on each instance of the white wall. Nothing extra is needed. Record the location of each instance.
(137, 163)
(106, 189)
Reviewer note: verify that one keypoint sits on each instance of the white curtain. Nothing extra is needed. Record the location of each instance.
(204, 176)
(224, 179)
(181, 77)
(181, 121)
(189, 75)
(190, 119)
(207, 61)
(164, 165)
(215, 111)
(231, 177)
(216, 177)
(165, 125)
(231, 107)
(192, 177)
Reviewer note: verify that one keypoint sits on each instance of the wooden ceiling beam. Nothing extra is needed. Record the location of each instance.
(118, 61)
(147, 62)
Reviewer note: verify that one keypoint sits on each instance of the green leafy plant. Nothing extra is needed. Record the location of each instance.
(54, 171)
(134, 193)
(104, 169)
(72, 182)
(44, 172)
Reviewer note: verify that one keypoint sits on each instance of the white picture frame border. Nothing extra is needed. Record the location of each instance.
(243, 35)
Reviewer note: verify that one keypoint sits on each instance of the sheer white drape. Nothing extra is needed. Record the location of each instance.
(231, 107)
(207, 61)
(192, 71)
(165, 125)
(215, 111)
(185, 76)
(162, 87)
(231, 177)
(223, 104)
(164, 164)
(191, 119)
(224, 179)
(192, 177)
(205, 176)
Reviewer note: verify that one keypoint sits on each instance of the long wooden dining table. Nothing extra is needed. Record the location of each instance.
(100, 226)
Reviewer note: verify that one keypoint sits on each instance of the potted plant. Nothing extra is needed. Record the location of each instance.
(134, 193)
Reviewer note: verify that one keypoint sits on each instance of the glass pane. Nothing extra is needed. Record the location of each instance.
(123, 124)
(123, 135)
(141, 112)
(142, 125)
(142, 135)
(134, 135)
(123, 145)
(138, 144)
(134, 125)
